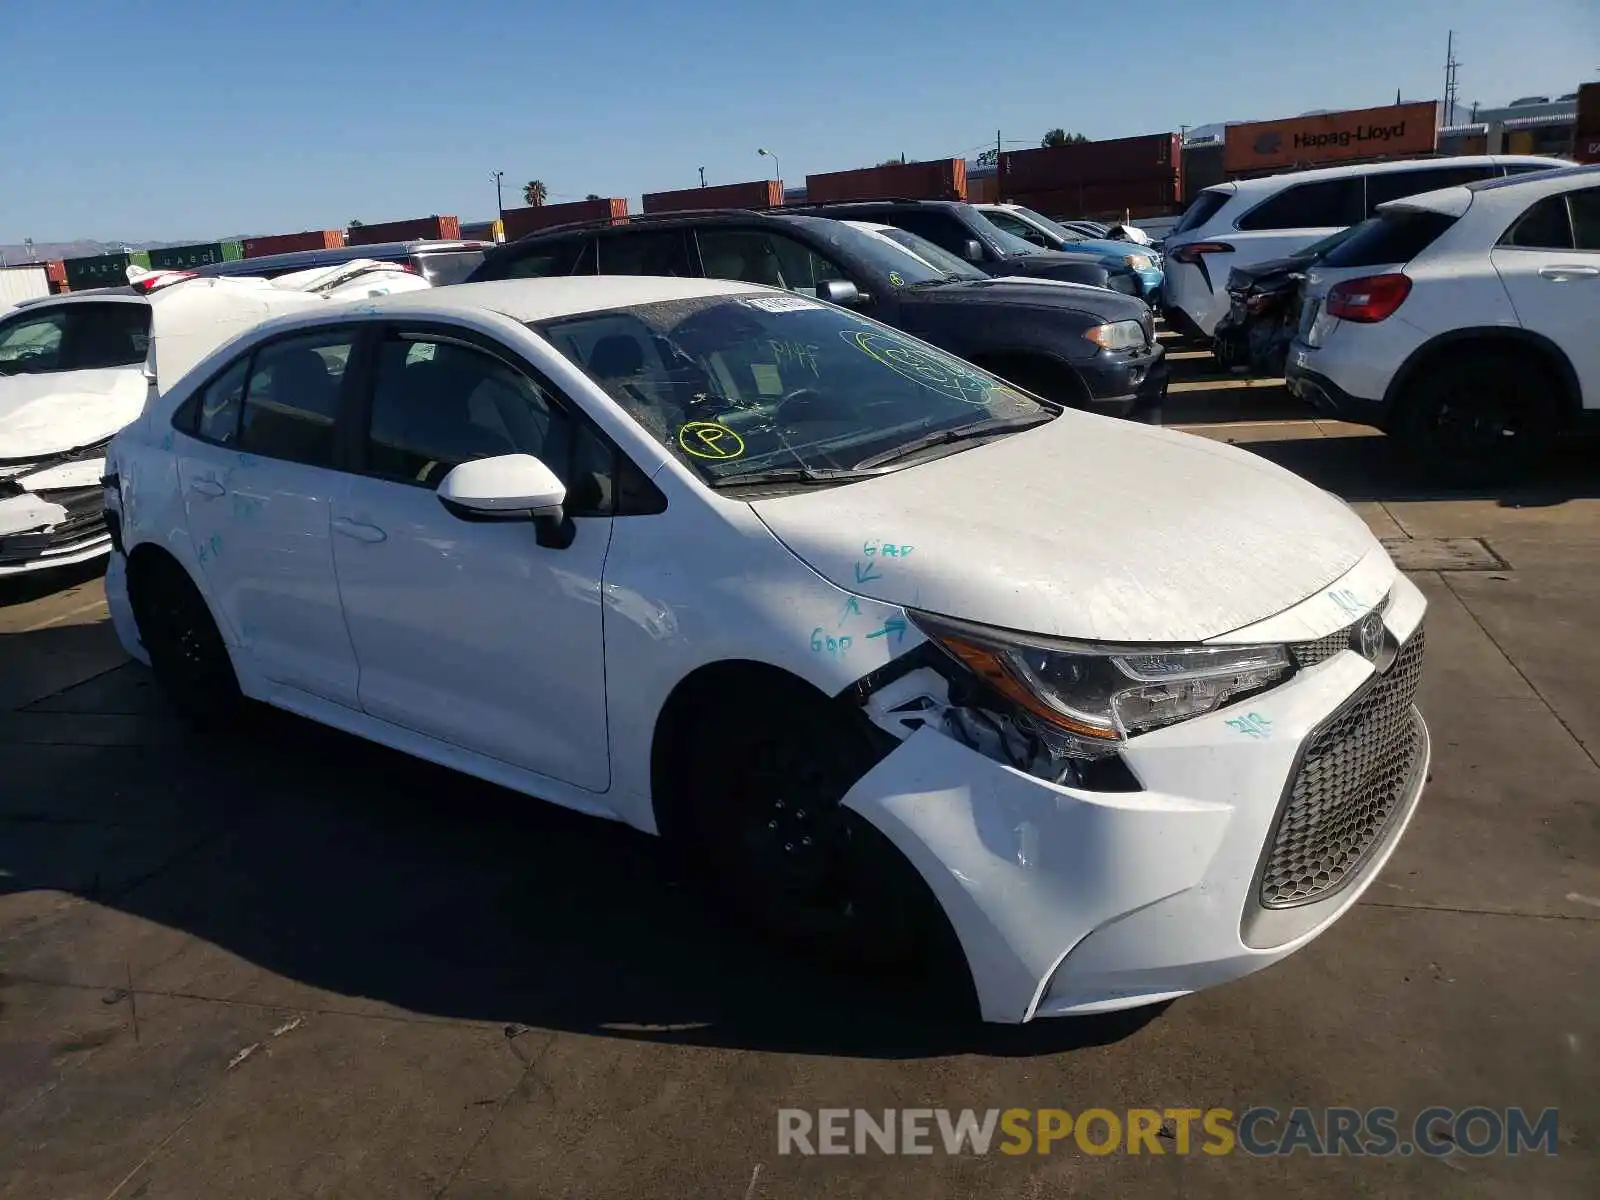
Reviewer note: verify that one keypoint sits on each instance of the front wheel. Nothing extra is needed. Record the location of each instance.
(1481, 419)
(187, 653)
(766, 823)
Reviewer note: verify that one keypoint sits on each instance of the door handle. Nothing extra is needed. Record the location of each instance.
(207, 487)
(1561, 274)
(359, 530)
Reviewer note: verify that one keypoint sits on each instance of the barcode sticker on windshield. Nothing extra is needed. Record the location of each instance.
(781, 303)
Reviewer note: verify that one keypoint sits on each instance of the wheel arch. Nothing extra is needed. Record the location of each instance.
(723, 687)
(1496, 337)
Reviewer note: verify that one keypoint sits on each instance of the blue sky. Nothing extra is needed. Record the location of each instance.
(176, 118)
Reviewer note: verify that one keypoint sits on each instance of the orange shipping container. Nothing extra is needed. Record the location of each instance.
(416, 229)
(1395, 129)
(520, 222)
(288, 243)
(940, 179)
(762, 193)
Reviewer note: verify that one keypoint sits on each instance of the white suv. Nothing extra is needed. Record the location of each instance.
(1254, 220)
(1463, 321)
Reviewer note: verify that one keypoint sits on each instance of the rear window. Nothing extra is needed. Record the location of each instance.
(1394, 238)
(1330, 204)
(1201, 209)
(451, 267)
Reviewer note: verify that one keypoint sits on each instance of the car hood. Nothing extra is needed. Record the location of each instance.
(1016, 291)
(48, 414)
(1085, 528)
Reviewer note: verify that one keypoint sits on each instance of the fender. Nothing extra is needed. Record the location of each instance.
(1510, 337)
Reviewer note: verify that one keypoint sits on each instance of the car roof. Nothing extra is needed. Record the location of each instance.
(647, 221)
(1250, 189)
(1570, 171)
(328, 256)
(120, 295)
(1454, 201)
(530, 300)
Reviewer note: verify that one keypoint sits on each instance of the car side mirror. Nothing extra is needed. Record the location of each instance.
(972, 251)
(839, 291)
(509, 487)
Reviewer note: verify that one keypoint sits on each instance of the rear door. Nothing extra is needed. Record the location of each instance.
(257, 455)
(1549, 260)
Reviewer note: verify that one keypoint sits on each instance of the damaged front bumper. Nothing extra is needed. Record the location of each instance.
(1228, 848)
(52, 510)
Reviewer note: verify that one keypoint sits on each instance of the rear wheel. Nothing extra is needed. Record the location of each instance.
(1483, 418)
(186, 650)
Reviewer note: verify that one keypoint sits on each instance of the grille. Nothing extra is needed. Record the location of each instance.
(1309, 654)
(1351, 781)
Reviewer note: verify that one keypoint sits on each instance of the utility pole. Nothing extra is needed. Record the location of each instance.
(702, 177)
(1451, 69)
(499, 205)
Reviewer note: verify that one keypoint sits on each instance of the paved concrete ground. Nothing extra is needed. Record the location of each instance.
(304, 966)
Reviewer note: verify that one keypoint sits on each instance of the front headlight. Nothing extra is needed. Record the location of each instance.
(1119, 335)
(1086, 698)
(1139, 262)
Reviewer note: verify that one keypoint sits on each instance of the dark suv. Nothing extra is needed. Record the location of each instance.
(1087, 347)
(964, 232)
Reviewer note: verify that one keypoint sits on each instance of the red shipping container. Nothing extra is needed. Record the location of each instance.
(56, 271)
(520, 222)
(416, 229)
(939, 179)
(1154, 156)
(761, 193)
(288, 243)
(1100, 198)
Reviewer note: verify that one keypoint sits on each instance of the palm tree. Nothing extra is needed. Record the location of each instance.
(357, 224)
(535, 193)
(1060, 137)
(592, 196)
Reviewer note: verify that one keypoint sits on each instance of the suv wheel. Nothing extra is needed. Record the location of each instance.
(1483, 418)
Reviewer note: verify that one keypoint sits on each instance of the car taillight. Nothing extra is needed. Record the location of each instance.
(1367, 300)
(1192, 252)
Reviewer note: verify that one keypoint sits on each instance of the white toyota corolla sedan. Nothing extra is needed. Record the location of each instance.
(890, 650)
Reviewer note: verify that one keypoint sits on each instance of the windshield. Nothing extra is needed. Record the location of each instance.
(1055, 227)
(737, 386)
(902, 243)
(902, 266)
(1318, 248)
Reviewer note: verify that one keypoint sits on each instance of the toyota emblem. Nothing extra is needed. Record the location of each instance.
(1370, 635)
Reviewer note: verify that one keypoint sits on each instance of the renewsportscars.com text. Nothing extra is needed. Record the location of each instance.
(1257, 1131)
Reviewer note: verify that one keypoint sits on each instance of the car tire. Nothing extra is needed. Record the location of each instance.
(1480, 419)
(186, 650)
(767, 832)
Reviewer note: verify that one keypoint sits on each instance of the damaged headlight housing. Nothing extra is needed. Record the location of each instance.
(1118, 335)
(1087, 698)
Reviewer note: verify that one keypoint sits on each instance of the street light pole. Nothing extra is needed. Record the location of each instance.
(777, 172)
(702, 177)
(499, 204)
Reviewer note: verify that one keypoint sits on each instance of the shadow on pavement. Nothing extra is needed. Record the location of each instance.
(33, 585)
(1368, 468)
(326, 860)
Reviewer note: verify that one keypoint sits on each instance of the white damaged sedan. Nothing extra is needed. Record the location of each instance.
(897, 656)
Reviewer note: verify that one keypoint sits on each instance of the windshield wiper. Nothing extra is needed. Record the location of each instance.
(947, 277)
(961, 433)
(808, 475)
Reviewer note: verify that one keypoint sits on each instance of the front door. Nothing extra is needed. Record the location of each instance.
(472, 632)
(256, 464)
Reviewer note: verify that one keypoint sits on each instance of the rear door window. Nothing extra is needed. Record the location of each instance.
(1584, 208)
(1545, 226)
(292, 401)
(541, 261)
(1329, 204)
(760, 256)
(1394, 185)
